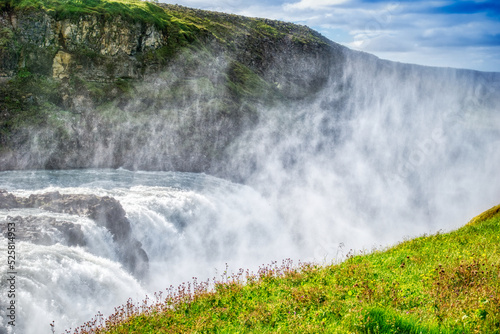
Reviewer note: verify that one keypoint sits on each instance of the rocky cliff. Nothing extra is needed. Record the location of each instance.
(105, 84)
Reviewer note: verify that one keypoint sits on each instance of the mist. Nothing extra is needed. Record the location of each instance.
(385, 152)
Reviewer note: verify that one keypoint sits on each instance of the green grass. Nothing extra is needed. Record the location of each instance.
(444, 283)
(243, 82)
(132, 10)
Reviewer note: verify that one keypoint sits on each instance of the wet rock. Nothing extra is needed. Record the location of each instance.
(105, 211)
(8, 201)
(44, 231)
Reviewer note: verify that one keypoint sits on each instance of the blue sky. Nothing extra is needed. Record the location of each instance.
(462, 34)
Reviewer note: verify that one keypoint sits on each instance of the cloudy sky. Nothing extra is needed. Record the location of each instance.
(463, 34)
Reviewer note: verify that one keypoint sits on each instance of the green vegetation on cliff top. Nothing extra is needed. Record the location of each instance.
(163, 16)
(444, 283)
(131, 9)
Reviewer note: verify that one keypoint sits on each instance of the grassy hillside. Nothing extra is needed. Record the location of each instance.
(135, 10)
(444, 283)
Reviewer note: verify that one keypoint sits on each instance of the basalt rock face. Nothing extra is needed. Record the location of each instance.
(96, 48)
(102, 49)
(168, 89)
(105, 211)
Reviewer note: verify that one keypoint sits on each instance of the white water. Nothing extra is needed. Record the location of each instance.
(189, 225)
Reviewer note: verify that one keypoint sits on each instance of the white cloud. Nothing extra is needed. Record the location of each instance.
(227, 6)
(483, 59)
(381, 43)
(313, 4)
(264, 11)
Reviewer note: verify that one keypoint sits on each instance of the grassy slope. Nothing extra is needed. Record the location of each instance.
(135, 10)
(445, 283)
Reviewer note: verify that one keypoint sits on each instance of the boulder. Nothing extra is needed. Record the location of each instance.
(8, 201)
(43, 230)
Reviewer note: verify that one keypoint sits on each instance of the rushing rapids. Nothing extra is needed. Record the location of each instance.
(188, 224)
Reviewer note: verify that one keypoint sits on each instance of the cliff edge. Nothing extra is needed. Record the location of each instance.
(86, 84)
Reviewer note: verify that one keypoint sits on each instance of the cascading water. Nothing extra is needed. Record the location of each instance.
(189, 225)
(384, 151)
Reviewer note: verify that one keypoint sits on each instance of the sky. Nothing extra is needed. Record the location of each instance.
(460, 34)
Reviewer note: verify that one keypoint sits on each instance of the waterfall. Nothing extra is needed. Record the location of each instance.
(384, 151)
